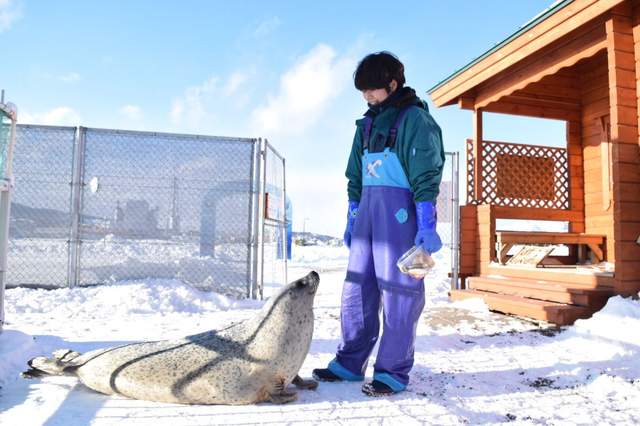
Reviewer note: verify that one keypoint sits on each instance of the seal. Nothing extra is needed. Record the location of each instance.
(248, 362)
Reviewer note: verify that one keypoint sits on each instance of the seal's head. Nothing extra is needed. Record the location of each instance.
(293, 301)
(285, 323)
(307, 284)
(299, 294)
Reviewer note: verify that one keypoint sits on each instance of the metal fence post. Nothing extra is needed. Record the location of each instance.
(6, 184)
(256, 172)
(455, 237)
(261, 215)
(285, 237)
(73, 271)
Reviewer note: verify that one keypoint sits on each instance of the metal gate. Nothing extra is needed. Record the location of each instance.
(95, 206)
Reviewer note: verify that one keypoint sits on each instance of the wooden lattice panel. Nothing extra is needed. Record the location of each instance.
(516, 175)
(520, 176)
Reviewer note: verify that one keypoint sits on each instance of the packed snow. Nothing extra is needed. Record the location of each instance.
(472, 366)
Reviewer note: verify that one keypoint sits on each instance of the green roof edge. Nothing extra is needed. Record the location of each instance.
(541, 17)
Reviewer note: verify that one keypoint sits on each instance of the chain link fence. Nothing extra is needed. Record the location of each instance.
(95, 206)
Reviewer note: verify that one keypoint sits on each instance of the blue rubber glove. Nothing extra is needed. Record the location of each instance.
(351, 218)
(426, 218)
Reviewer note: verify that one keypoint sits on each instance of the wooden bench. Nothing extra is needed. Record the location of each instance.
(507, 239)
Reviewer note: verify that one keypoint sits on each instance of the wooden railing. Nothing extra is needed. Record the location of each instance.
(518, 175)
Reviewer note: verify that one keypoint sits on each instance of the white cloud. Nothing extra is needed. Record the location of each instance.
(306, 90)
(234, 82)
(190, 108)
(132, 112)
(198, 102)
(267, 27)
(67, 78)
(10, 11)
(72, 76)
(60, 116)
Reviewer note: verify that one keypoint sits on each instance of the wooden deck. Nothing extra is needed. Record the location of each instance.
(556, 295)
(557, 313)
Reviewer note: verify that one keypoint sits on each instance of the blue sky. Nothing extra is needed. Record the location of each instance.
(275, 69)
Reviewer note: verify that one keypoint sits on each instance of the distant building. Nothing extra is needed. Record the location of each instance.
(136, 219)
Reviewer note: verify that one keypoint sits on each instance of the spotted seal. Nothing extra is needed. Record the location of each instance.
(249, 362)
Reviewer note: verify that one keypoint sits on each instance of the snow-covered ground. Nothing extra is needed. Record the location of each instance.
(472, 366)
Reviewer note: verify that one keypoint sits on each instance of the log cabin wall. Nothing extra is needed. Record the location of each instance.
(595, 112)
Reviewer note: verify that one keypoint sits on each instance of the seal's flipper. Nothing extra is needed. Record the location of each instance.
(300, 383)
(42, 366)
(283, 397)
(65, 355)
(59, 365)
(33, 373)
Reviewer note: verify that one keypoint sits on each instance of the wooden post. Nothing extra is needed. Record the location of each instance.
(622, 48)
(477, 154)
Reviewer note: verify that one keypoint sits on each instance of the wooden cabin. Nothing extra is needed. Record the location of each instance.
(577, 62)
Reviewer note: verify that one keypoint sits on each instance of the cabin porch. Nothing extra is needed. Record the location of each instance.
(586, 77)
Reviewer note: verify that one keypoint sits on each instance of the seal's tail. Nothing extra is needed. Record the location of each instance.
(56, 366)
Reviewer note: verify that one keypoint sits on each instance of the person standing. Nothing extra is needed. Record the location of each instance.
(394, 174)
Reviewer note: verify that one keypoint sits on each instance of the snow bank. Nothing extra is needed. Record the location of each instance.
(128, 297)
(619, 320)
(16, 348)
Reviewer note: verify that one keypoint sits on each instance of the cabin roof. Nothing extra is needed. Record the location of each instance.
(560, 21)
(559, 4)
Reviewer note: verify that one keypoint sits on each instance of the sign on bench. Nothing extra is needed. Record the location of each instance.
(507, 239)
(530, 255)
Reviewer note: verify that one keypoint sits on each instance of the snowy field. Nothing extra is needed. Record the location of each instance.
(472, 366)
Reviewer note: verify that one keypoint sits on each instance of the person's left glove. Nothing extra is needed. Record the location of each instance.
(426, 219)
(352, 212)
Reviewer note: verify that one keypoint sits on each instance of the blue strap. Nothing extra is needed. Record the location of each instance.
(393, 132)
(368, 123)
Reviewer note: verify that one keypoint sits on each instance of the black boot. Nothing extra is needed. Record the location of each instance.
(377, 388)
(325, 375)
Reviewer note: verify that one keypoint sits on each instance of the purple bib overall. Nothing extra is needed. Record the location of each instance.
(384, 229)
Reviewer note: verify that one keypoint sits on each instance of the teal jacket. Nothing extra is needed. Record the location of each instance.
(418, 145)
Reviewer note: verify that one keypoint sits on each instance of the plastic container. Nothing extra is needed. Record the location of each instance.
(415, 262)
